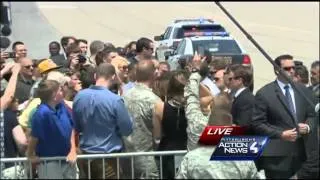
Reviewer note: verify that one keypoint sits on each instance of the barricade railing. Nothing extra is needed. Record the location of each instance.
(28, 171)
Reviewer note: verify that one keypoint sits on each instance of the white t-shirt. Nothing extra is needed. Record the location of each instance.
(211, 85)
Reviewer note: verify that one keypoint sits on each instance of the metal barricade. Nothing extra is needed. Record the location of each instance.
(51, 165)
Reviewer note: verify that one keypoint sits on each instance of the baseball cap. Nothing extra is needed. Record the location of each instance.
(46, 65)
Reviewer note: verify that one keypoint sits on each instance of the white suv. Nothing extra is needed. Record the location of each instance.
(176, 32)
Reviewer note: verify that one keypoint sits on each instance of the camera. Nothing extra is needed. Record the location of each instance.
(11, 55)
(82, 58)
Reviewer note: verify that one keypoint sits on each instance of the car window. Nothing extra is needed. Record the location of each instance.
(181, 47)
(167, 33)
(187, 31)
(216, 46)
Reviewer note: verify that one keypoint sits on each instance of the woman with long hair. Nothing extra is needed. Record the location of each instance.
(170, 121)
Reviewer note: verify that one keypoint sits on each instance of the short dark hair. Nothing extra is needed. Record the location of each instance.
(242, 72)
(303, 72)
(144, 70)
(109, 45)
(65, 39)
(46, 89)
(87, 76)
(81, 40)
(315, 64)
(282, 57)
(55, 42)
(73, 48)
(142, 43)
(105, 70)
(102, 54)
(15, 44)
(121, 51)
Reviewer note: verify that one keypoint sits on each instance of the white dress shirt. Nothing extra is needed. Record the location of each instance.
(281, 84)
(239, 91)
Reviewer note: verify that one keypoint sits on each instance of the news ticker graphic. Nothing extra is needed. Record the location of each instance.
(231, 144)
(239, 148)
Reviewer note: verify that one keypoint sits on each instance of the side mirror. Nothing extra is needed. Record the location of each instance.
(158, 38)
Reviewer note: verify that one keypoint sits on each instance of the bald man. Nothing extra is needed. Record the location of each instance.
(140, 101)
(25, 81)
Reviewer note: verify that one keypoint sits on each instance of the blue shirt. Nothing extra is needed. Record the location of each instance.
(128, 86)
(53, 129)
(102, 118)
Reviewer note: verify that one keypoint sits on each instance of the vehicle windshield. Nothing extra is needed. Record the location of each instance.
(216, 46)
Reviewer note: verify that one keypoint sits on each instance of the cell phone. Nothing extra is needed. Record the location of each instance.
(11, 55)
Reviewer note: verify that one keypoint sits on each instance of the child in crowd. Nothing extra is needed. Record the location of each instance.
(51, 133)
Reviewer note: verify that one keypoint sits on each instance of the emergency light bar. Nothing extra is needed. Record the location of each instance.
(199, 33)
(200, 19)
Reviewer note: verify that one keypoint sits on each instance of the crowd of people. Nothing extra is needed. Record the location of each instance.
(103, 99)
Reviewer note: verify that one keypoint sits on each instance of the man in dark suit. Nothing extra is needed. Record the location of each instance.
(240, 79)
(285, 116)
(310, 169)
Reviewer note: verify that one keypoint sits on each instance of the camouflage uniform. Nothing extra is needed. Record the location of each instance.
(196, 164)
(140, 101)
(197, 121)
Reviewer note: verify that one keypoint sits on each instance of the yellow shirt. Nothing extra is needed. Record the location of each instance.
(24, 118)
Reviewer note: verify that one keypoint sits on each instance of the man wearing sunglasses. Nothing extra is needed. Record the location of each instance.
(144, 50)
(240, 79)
(25, 80)
(286, 118)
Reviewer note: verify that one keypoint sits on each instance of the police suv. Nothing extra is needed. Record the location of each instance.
(218, 45)
(176, 32)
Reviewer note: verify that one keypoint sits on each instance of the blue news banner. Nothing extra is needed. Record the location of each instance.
(239, 148)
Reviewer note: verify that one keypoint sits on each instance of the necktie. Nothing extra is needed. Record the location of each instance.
(289, 101)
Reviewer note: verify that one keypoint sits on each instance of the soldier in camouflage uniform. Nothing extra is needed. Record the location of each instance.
(196, 164)
(197, 121)
(140, 101)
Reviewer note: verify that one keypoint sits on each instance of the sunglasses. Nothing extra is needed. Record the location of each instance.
(28, 67)
(288, 68)
(230, 78)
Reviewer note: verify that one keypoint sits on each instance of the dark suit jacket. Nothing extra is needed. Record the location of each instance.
(60, 60)
(271, 116)
(242, 108)
(23, 89)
